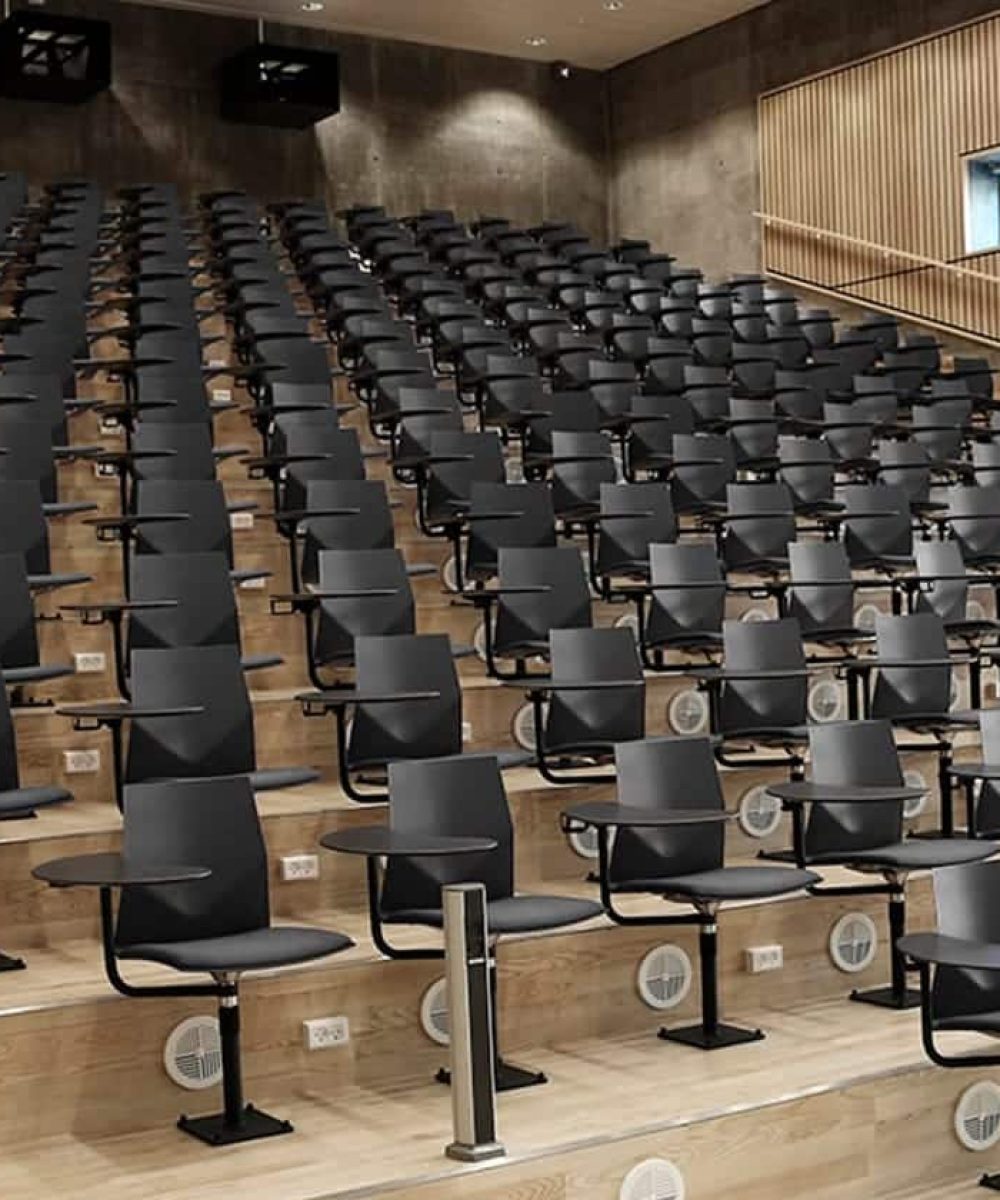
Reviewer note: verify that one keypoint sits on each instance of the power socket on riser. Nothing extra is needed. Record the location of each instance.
(296, 867)
(81, 762)
(241, 520)
(759, 959)
(326, 1033)
(90, 662)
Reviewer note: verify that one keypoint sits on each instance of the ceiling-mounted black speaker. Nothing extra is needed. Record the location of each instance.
(280, 85)
(44, 56)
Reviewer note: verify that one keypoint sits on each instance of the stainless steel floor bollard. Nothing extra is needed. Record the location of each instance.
(467, 971)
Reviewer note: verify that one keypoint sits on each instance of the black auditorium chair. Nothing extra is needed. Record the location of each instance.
(669, 841)
(500, 515)
(436, 837)
(683, 606)
(24, 530)
(406, 703)
(980, 779)
(632, 518)
(756, 528)
(190, 715)
(357, 593)
(538, 590)
(20, 656)
(594, 698)
(850, 813)
(176, 600)
(193, 879)
(759, 695)
(913, 677)
(959, 968)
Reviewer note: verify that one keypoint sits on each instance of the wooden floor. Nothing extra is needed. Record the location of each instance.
(390, 1141)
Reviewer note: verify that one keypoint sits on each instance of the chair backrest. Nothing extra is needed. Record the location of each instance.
(582, 464)
(968, 907)
(451, 797)
(705, 466)
(676, 612)
(820, 608)
(660, 774)
(602, 717)
(475, 458)
(911, 689)
(904, 465)
(27, 452)
(565, 604)
(974, 515)
(205, 611)
(877, 522)
(948, 594)
(370, 528)
(806, 469)
(853, 753)
(749, 704)
(210, 823)
(637, 516)
(343, 620)
(18, 636)
(506, 514)
(755, 537)
(207, 528)
(217, 741)
(381, 733)
(190, 445)
(339, 457)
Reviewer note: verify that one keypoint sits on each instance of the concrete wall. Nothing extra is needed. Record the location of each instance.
(419, 126)
(683, 121)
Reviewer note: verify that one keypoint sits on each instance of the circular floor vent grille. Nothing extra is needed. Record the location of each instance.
(435, 1020)
(826, 701)
(193, 1054)
(629, 621)
(583, 842)
(522, 727)
(664, 977)
(915, 808)
(866, 616)
(753, 615)
(853, 942)
(687, 713)
(977, 1116)
(449, 574)
(653, 1179)
(760, 814)
(974, 611)
(479, 641)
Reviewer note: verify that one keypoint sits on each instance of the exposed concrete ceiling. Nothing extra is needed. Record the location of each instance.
(587, 33)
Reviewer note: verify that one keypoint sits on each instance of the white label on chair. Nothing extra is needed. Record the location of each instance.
(221, 395)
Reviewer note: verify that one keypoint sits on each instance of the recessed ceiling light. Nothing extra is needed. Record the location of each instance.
(536, 41)
(314, 6)
(614, 5)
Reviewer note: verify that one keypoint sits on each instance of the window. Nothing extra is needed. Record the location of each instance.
(982, 202)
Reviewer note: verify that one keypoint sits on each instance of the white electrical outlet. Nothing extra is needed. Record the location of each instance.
(217, 364)
(256, 583)
(81, 762)
(90, 662)
(299, 866)
(110, 427)
(323, 1033)
(466, 732)
(241, 520)
(764, 958)
(222, 395)
(104, 471)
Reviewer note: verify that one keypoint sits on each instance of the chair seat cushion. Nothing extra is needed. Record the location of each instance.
(21, 802)
(727, 883)
(271, 778)
(513, 914)
(940, 721)
(258, 950)
(777, 735)
(917, 854)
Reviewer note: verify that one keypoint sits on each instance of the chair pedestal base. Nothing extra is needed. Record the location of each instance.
(7, 963)
(717, 1039)
(990, 1181)
(508, 1077)
(888, 997)
(217, 1131)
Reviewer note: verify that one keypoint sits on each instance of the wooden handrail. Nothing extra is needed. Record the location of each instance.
(888, 251)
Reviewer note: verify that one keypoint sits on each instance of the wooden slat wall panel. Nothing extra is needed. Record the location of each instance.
(875, 151)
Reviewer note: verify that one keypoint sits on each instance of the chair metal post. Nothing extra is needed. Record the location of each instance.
(471, 1000)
